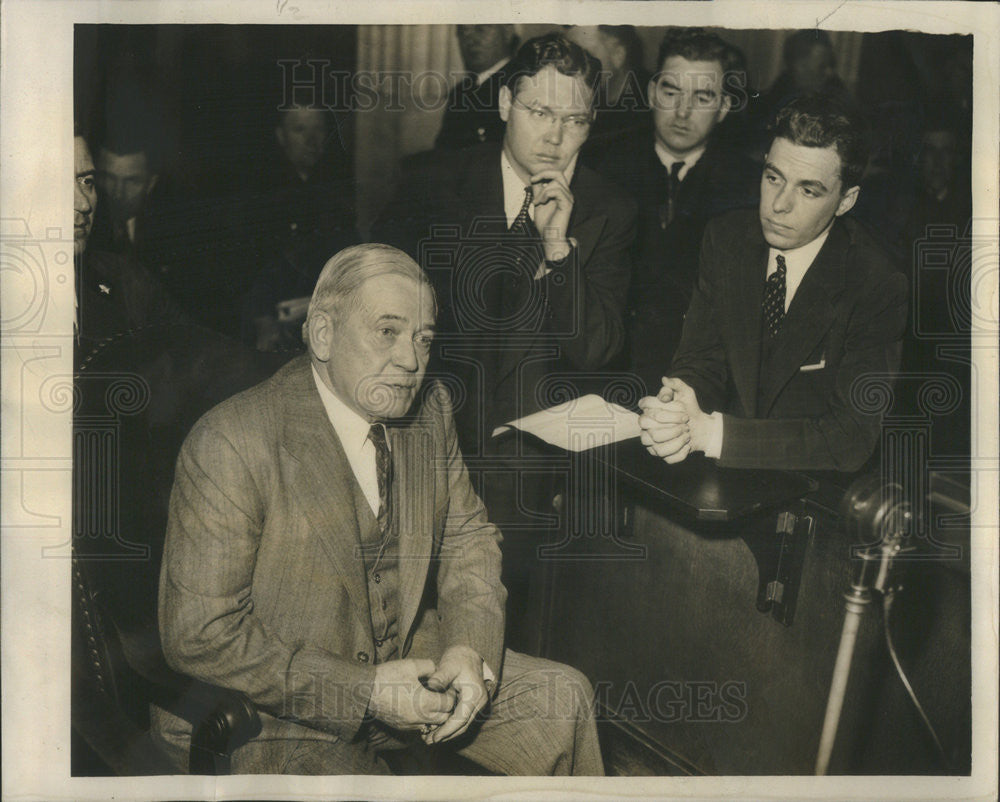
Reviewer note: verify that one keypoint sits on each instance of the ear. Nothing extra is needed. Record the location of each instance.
(847, 201)
(504, 99)
(724, 106)
(320, 327)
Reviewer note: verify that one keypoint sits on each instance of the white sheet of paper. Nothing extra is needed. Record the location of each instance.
(580, 424)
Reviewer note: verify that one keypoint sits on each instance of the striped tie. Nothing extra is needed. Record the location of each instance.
(520, 224)
(383, 471)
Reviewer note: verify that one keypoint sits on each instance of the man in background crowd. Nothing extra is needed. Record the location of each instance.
(114, 294)
(621, 96)
(809, 66)
(302, 209)
(681, 174)
(126, 177)
(471, 116)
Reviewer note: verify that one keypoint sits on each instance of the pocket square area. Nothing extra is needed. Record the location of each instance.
(815, 366)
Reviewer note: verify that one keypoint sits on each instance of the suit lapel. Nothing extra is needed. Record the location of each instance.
(324, 483)
(809, 316)
(413, 502)
(745, 299)
(481, 194)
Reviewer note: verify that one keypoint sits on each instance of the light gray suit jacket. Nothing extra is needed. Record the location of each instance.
(263, 586)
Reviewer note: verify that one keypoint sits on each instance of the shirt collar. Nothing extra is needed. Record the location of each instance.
(513, 187)
(667, 158)
(482, 77)
(804, 255)
(797, 262)
(351, 428)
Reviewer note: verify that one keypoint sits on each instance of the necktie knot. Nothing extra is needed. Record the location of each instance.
(521, 221)
(675, 170)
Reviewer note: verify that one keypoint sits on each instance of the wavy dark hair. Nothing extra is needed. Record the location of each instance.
(821, 121)
(555, 50)
(697, 44)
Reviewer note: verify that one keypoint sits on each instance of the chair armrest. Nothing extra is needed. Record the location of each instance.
(221, 719)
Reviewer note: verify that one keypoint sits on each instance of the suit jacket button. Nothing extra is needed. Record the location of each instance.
(363, 657)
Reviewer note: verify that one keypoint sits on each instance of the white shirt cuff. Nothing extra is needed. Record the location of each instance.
(714, 447)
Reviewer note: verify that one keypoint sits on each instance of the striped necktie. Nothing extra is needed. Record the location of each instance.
(383, 472)
(520, 224)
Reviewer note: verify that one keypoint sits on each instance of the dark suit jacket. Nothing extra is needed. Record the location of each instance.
(472, 115)
(815, 403)
(262, 588)
(115, 295)
(449, 215)
(665, 255)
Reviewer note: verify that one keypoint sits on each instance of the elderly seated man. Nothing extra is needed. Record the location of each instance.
(327, 556)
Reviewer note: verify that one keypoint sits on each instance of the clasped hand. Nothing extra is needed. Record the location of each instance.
(441, 701)
(672, 424)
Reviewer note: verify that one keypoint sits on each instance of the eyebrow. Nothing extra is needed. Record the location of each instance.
(402, 319)
(818, 185)
(86, 173)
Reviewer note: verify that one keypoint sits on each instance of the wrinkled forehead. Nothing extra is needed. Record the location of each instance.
(551, 89)
(396, 296)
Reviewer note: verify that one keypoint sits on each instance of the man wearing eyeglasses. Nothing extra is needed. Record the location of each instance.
(529, 255)
(682, 171)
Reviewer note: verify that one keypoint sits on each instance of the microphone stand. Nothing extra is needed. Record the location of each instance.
(877, 511)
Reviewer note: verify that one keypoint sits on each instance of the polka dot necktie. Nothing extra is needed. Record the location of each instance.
(774, 298)
(383, 472)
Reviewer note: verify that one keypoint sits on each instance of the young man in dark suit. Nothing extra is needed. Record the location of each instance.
(681, 174)
(529, 254)
(527, 249)
(795, 313)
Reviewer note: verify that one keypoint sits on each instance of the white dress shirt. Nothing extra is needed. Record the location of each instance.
(352, 430)
(481, 77)
(797, 262)
(667, 158)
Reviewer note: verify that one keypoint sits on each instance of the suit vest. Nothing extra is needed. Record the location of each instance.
(381, 560)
